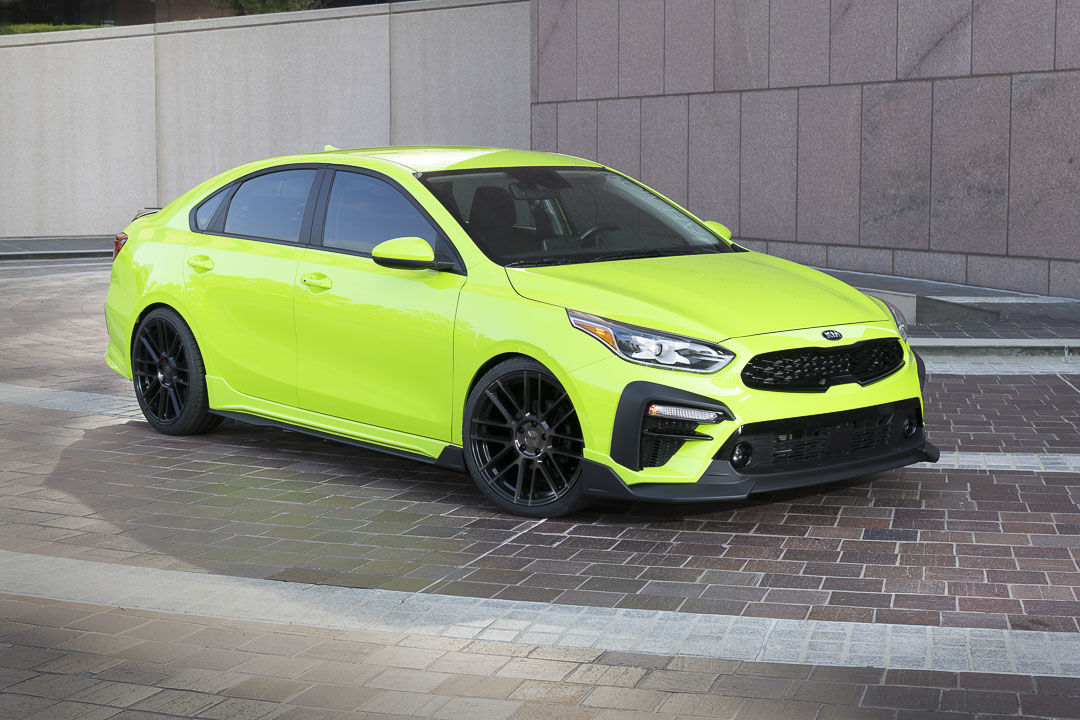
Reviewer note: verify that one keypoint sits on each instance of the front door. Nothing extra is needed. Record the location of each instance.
(375, 343)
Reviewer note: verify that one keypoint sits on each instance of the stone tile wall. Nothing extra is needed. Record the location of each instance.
(930, 138)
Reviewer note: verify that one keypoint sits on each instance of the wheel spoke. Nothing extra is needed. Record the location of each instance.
(552, 406)
(154, 357)
(520, 480)
(569, 414)
(174, 400)
(525, 390)
(567, 438)
(518, 410)
(493, 423)
(493, 439)
(163, 399)
(494, 458)
(547, 478)
(499, 406)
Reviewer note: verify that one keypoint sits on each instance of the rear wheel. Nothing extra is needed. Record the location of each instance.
(523, 441)
(169, 377)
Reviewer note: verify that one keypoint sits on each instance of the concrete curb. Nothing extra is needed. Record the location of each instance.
(1057, 349)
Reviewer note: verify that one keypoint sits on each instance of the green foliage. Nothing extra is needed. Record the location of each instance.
(256, 7)
(19, 28)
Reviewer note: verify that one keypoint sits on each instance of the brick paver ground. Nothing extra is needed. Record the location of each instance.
(85, 662)
(921, 546)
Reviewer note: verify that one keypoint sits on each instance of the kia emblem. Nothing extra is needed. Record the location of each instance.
(831, 335)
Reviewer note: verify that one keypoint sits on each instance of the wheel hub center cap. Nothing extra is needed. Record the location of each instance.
(532, 437)
(166, 371)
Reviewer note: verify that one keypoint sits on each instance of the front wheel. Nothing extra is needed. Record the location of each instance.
(523, 441)
(169, 377)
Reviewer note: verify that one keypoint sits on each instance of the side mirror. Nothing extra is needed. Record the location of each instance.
(411, 253)
(719, 229)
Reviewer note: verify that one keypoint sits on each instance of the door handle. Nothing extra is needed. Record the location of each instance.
(317, 280)
(201, 263)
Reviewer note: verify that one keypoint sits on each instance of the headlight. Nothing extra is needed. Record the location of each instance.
(649, 347)
(898, 318)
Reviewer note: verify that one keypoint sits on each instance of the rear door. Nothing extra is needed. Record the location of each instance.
(375, 343)
(240, 271)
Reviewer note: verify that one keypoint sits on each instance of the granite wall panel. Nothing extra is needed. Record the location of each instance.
(969, 203)
(688, 46)
(1044, 179)
(714, 158)
(946, 267)
(664, 139)
(577, 128)
(828, 202)
(619, 134)
(557, 49)
(896, 165)
(862, 45)
(798, 42)
(1067, 44)
(598, 48)
(1009, 273)
(1009, 36)
(641, 47)
(742, 45)
(934, 38)
(545, 127)
(769, 137)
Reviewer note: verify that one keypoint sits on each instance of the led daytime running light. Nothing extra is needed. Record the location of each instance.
(674, 412)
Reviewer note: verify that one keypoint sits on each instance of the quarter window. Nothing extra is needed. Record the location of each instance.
(271, 206)
(363, 211)
(206, 211)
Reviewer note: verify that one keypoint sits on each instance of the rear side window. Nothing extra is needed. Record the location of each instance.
(271, 206)
(363, 211)
(206, 211)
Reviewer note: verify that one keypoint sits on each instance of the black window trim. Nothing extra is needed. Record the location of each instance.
(318, 221)
(216, 226)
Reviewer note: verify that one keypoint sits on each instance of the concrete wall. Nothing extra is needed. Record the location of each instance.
(97, 124)
(930, 138)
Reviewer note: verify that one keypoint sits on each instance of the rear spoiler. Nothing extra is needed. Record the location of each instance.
(144, 212)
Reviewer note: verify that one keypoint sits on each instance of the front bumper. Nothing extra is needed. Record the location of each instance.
(721, 481)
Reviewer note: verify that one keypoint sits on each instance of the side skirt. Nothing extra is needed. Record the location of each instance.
(451, 457)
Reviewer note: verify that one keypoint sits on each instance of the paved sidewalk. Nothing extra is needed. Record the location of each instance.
(80, 661)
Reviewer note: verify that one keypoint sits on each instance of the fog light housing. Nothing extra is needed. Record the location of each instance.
(910, 426)
(675, 412)
(740, 454)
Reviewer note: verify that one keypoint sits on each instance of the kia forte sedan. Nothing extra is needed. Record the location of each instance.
(549, 325)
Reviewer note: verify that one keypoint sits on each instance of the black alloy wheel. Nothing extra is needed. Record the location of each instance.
(169, 377)
(523, 440)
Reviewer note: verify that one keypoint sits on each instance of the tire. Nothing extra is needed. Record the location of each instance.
(169, 375)
(523, 441)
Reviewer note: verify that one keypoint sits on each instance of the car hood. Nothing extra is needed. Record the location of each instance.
(711, 297)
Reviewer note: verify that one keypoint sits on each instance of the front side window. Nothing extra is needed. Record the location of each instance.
(271, 206)
(363, 211)
(554, 216)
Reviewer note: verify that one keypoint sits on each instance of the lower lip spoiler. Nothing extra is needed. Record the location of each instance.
(722, 482)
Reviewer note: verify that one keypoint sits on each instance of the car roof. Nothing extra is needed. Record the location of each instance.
(423, 159)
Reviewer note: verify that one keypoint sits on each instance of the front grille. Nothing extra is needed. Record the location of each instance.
(818, 440)
(818, 369)
(661, 438)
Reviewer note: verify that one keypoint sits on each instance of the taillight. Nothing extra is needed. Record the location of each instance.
(118, 243)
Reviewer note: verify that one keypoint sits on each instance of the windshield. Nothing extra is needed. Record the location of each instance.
(555, 216)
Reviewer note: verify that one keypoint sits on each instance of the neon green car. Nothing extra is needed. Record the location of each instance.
(545, 323)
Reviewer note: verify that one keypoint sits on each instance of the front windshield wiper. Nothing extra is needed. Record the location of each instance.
(545, 260)
(629, 254)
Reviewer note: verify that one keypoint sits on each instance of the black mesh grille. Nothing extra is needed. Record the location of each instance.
(656, 449)
(819, 440)
(817, 369)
